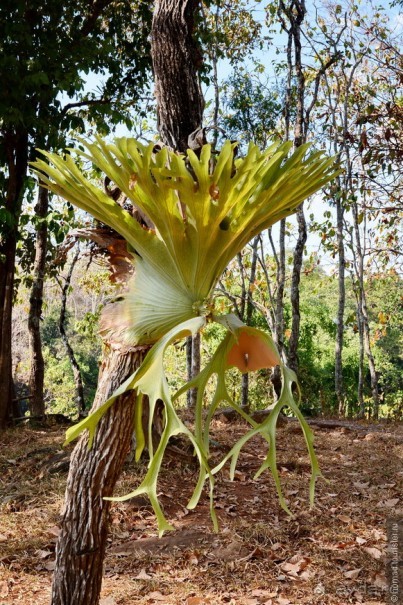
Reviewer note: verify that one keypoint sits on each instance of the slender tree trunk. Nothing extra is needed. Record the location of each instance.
(37, 369)
(16, 145)
(296, 15)
(371, 359)
(338, 366)
(189, 346)
(363, 310)
(279, 312)
(295, 294)
(93, 474)
(360, 384)
(78, 380)
(248, 318)
(193, 360)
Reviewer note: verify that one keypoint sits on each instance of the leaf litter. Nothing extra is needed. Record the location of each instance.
(331, 555)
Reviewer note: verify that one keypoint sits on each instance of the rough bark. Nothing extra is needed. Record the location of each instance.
(37, 369)
(16, 147)
(78, 380)
(176, 61)
(93, 474)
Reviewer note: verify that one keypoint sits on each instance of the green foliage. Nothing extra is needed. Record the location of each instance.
(59, 379)
(252, 109)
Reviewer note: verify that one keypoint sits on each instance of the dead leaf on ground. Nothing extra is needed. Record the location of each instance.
(107, 601)
(156, 595)
(295, 565)
(352, 574)
(195, 601)
(143, 575)
(43, 554)
(375, 553)
(389, 503)
(258, 592)
(4, 590)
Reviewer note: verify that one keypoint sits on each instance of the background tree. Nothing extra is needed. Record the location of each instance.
(45, 54)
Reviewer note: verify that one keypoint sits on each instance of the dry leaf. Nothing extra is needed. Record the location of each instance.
(352, 574)
(3, 538)
(4, 590)
(295, 565)
(43, 554)
(378, 534)
(391, 503)
(374, 552)
(380, 581)
(157, 596)
(195, 601)
(345, 519)
(107, 601)
(360, 541)
(360, 485)
(49, 565)
(143, 575)
(283, 601)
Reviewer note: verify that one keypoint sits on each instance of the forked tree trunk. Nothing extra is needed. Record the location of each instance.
(37, 369)
(93, 475)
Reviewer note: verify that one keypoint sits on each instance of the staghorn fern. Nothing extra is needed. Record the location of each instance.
(204, 210)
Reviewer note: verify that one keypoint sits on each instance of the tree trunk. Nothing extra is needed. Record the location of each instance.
(296, 14)
(365, 339)
(279, 311)
(78, 380)
(295, 294)
(16, 146)
(176, 61)
(360, 384)
(338, 365)
(249, 312)
(37, 369)
(195, 362)
(93, 475)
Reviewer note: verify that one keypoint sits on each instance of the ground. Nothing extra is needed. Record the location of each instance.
(331, 554)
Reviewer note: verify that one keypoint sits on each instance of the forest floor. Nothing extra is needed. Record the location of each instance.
(331, 554)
